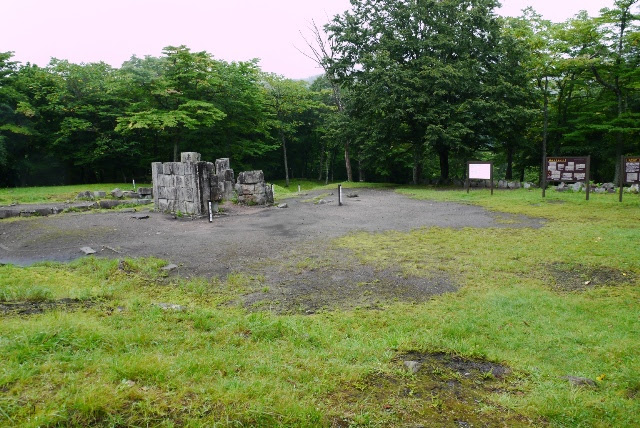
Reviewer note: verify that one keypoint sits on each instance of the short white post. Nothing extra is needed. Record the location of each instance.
(134, 184)
(298, 188)
(210, 213)
(340, 194)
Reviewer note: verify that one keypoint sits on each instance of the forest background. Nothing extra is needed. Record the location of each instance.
(410, 92)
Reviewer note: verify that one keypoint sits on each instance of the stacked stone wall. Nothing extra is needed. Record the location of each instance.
(252, 189)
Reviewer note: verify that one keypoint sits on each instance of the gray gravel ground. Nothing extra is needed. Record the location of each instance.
(262, 241)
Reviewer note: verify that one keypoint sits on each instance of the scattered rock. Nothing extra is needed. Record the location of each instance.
(283, 205)
(86, 195)
(108, 204)
(413, 366)
(171, 307)
(145, 191)
(117, 193)
(131, 195)
(87, 250)
(170, 267)
(635, 189)
(100, 194)
(352, 195)
(322, 202)
(561, 187)
(581, 381)
(140, 216)
(600, 190)
(608, 186)
(528, 185)
(577, 187)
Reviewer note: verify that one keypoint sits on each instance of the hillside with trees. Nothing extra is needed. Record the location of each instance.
(411, 91)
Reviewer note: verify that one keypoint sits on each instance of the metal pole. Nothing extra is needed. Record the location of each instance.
(210, 213)
(491, 175)
(621, 178)
(340, 194)
(588, 175)
(467, 183)
(544, 175)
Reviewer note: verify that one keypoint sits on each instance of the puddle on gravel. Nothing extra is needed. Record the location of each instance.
(444, 391)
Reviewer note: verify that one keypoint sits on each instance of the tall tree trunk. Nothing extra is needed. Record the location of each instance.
(361, 176)
(347, 161)
(443, 155)
(416, 164)
(545, 128)
(326, 171)
(284, 152)
(509, 173)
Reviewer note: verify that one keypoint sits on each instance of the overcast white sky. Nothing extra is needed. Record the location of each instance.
(232, 30)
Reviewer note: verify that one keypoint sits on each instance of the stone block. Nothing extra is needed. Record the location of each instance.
(156, 168)
(184, 194)
(250, 177)
(99, 194)
(222, 165)
(117, 193)
(144, 191)
(190, 157)
(229, 175)
(131, 195)
(108, 204)
(144, 201)
(188, 169)
(178, 168)
(166, 168)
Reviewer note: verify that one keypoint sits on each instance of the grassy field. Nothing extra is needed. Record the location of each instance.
(562, 300)
(46, 194)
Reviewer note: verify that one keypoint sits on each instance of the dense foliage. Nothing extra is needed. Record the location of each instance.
(411, 91)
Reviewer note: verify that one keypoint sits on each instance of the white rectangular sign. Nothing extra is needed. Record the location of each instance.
(480, 171)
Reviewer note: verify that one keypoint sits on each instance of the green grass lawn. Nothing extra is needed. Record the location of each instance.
(46, 194)
(526, 300)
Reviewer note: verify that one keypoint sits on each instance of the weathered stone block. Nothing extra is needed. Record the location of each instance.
(144, 191)
(185, 194)
(166, 168)
(250, 177)
(117, 193)
(156, 168)
(131, 195)
(229, 175)
(189, 157)
(99, 194)
(222, 165)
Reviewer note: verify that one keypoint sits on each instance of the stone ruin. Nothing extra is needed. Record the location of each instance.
(252, 190)
(189, 185)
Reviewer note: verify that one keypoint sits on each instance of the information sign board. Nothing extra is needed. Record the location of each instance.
(630, 173)
(631, 170)
(568, 170)
(477, 170)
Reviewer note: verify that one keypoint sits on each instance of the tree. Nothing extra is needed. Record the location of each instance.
(288, 99)
(421, 66)
(174, 103)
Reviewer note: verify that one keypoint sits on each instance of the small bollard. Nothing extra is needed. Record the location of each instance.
(210, 213)
(273, 191)
(134, 185)
(339, 194)
(298, 188)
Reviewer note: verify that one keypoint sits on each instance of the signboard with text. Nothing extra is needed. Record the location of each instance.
(630, 173)
(566, 169)
(631, 170)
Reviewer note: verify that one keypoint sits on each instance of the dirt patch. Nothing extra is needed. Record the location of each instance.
(570, 277)
(38, 307)
(443, 391)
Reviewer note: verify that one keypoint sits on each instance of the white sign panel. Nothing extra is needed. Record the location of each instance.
(480, 171)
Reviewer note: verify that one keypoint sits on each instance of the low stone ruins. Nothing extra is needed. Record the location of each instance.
(188, 186)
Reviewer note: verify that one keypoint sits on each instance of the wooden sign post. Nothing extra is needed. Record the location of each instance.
(477, 170)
